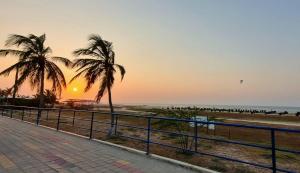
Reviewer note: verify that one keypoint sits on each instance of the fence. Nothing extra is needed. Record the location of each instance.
(54, 117)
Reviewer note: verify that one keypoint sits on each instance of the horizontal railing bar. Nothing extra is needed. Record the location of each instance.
(287, 150)
(216, 123)
(218, 156)
(82, 119)
(173, 133)
(101, 122)
(135, 127)
(236, 142)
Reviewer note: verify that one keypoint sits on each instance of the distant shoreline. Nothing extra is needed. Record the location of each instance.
(289, 109)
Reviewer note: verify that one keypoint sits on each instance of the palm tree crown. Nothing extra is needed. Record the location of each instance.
(100, 66)
(35, 63)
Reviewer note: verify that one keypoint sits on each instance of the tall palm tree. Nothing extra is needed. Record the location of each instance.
(36, 64)
(22, 54)
(100, 66)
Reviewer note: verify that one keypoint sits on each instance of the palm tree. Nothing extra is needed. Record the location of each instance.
(100, 66)
(36, 64)
(22, 54)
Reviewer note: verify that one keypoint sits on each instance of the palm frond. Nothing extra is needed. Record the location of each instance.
(47, 51)
(63, 60)
(24, 74)
(91, 75)
(122, 70)
(17, 40)
(102, 89)
(78, 75)
(86, 52)
(85, 62)
(38, 40)
(7, 71)
(5, 52)
(97, 43)
(56, 76)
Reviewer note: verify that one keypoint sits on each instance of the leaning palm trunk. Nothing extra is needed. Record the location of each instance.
(41, 104)
(15, 86)
(112, 123)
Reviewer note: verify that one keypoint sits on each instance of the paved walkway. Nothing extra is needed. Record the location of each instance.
(28, 148)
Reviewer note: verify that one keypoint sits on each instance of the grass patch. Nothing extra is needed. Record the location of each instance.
(218, 166)
(116, 140)
(243, 169)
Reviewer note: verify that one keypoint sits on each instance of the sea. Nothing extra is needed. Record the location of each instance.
(289, 109)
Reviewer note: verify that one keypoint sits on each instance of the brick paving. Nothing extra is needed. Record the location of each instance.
(26, 148)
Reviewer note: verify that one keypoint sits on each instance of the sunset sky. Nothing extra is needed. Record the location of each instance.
(174, 51)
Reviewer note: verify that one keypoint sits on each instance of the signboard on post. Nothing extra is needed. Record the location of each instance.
(203, 119)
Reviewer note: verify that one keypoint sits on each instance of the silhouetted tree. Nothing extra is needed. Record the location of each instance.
(36, 64)
(100, 66)
(23, 53)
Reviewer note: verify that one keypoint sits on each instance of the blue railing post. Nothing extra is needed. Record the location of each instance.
(58, 119)
(47, 116)
(91, 127)
(116, 125)
(11, 112)
(207, 127)
(23, 112)
(148, 135)
(39, 114)
(74, 113)
(196, 135)
(273, 150)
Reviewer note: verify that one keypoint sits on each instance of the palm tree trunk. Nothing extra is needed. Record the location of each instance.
(111, 112)
(42, 90)
(15, 86)
(41, 104)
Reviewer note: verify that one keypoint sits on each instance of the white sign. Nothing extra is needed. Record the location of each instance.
(203, 119)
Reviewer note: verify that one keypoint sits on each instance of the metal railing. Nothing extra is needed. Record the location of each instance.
(7, 110)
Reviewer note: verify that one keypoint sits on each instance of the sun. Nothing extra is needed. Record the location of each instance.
(74, 89)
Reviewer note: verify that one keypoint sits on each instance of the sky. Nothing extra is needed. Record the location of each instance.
(174, 51)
